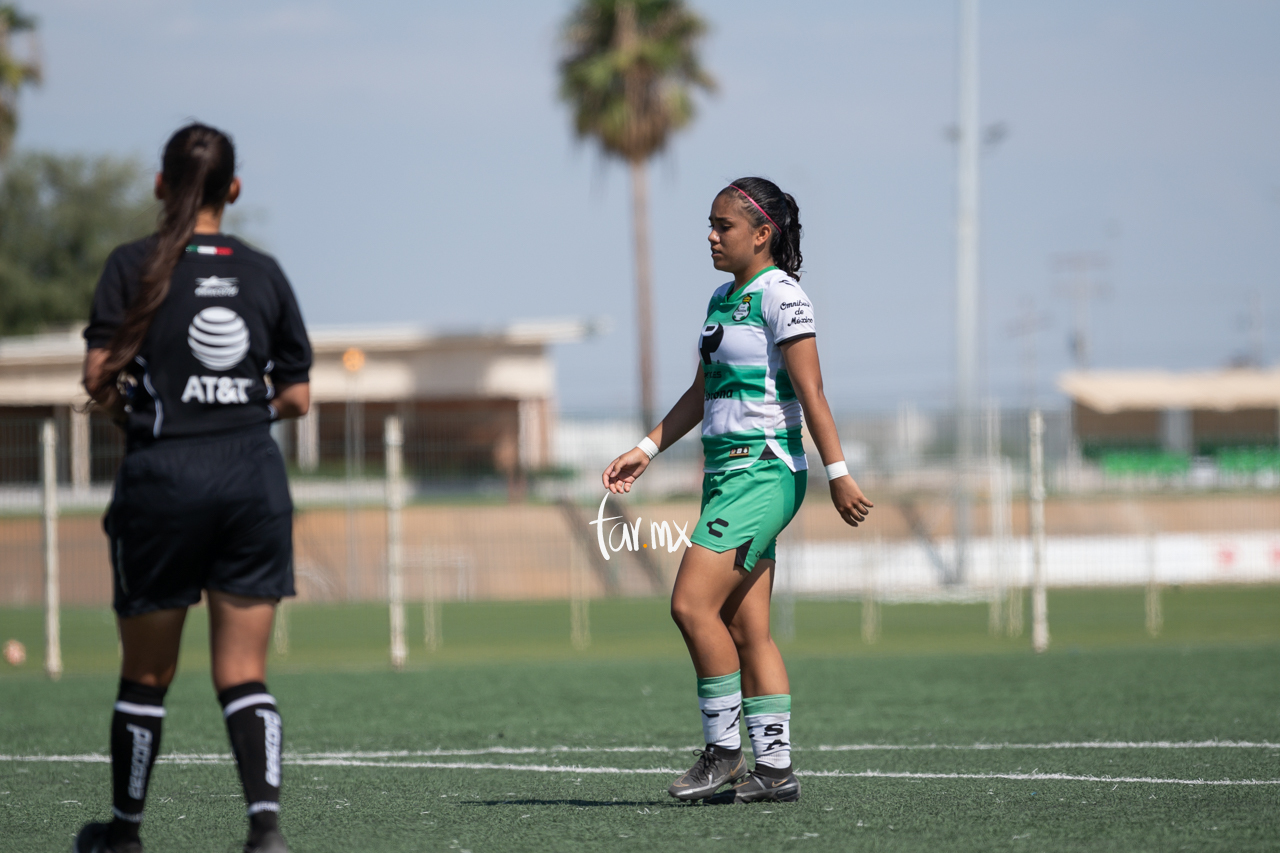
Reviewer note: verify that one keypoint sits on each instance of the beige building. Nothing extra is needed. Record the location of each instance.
(1193, 412)
(472, 403)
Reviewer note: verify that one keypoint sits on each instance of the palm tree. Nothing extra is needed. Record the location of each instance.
(628, 70)
(14, 72)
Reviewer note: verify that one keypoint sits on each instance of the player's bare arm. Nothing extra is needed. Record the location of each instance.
(801, 358)
(292, 401)
(684, 416)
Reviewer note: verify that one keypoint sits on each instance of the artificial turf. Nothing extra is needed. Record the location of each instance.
(508, 679)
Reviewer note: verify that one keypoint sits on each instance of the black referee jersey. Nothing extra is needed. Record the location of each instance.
(226, 335)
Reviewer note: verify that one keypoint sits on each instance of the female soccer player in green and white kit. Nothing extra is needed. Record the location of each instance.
(759, 372)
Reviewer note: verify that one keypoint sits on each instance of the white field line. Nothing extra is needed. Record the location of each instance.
(669, 771)
(495, 750)
(482, 765)
(1032, 777)
(1088, 744)
(298, 757)
(838, 774)
(853, 747)
(333, 760)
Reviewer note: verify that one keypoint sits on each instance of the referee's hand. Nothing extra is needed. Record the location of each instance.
(624, 470)
(101, 389)
(850, 502)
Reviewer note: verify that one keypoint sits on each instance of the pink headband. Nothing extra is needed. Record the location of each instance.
(758, 207)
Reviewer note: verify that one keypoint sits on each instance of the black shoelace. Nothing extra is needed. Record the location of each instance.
(706, 759)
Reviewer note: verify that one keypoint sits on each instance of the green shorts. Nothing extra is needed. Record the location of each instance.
(747, 509)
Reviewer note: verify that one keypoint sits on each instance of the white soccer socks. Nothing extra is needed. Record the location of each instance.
(769, 727)
(768, 720)
(720, 700)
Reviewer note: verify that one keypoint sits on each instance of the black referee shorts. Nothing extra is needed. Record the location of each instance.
(209, 512)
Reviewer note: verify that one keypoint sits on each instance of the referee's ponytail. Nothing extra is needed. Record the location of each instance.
(198, 168)
(766, 204)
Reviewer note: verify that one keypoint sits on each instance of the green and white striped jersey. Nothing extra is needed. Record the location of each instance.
(749, 402)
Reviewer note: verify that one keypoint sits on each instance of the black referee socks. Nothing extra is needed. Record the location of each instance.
(253, 724)
(135, 742)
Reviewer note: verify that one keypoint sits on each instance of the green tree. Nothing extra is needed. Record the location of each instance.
(15, 72)
(628, 71)
(59, 219)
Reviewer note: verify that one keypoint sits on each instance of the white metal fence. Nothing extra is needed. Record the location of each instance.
(393, 537)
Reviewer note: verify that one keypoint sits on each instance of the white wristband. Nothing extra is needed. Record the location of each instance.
(837, 469)
(650, 449)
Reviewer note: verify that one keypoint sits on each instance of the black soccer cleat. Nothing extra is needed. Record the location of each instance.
(760, 788)
(93, 839)
(715, 766)
(270, 842)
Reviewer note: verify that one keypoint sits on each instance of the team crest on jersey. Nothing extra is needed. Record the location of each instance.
(216, 286)
(743, 309)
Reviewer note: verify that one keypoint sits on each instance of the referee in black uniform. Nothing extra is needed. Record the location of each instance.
(196, 345)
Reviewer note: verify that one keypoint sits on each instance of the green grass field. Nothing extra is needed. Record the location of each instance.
(509, 739)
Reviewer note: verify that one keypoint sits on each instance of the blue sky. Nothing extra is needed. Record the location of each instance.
(409, 162)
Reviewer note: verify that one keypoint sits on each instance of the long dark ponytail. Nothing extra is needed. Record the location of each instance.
(765, 203)
(198, 168)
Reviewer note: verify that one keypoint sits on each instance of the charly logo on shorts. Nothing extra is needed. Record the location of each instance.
(219, 338)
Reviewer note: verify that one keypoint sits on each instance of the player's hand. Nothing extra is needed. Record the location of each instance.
(101, 390)
(850, 502)
(110, 400)
(624, 470)
(113, 402)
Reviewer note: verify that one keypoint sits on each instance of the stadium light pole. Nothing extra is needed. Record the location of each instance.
(967, 153)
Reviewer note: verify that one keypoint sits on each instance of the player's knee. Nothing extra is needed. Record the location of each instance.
(741, 634)
(749, 636)
(151, 675)
(679, 614)
(736, 634)
(684, 613)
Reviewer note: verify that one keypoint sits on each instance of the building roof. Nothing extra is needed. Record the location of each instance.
(402, 361)
(68, 346)
(1110, 391)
